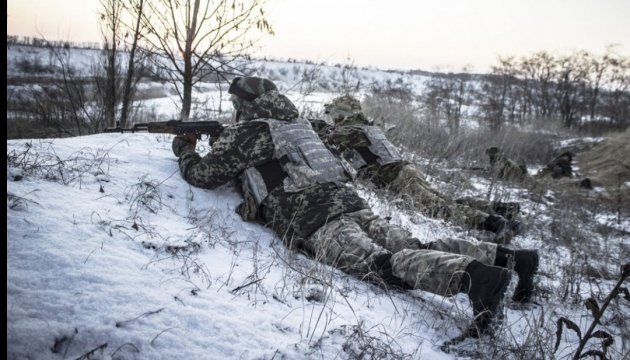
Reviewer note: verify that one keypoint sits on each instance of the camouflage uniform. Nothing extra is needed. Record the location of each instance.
(557, 174)
(559, 167)
(505, 168)
(327, 220)
(355, 239)
(349, 137)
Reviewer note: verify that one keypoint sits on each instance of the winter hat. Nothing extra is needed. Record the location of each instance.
(346, 110)
(344, 103)
(248, 89)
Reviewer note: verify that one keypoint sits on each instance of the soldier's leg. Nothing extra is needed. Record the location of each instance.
(523, 262)
(476, 202)
(392, 237)
(417, 194)
(434, 271)
(343, 244)
(483, 252)
(447, 274)
(508, 210)
(465, 215)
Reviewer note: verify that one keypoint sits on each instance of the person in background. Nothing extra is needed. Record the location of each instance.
(504, 168)
(558, 173)
(352, 136)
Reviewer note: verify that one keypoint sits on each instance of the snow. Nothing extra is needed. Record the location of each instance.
(157, 269)
(79, 275)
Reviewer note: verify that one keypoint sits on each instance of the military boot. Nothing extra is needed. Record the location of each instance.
(525, 263)
(385, 278)
(485, 286)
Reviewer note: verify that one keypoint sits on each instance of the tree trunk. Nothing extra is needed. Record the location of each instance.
(128, 88)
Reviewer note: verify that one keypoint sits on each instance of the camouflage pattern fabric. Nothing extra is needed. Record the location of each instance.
(246, 145)
(558, 168)
(429, 270)
(270, 105)
(416, 193)
(508, 210)
(344, 244)
(402, 179)
(353, 242)
(439, 269)
(308, 161)
(504, 168)
(295, 216)
(248, 89)
(328, 220)
(239, 147)
(321, 127)
(346, 110)
(484, 252)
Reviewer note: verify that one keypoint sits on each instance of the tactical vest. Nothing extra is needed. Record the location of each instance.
(301, 154)
(380, 147)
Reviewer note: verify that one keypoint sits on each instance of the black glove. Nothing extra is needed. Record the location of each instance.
(184, 143)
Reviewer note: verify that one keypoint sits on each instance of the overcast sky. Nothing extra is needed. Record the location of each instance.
(401, 34)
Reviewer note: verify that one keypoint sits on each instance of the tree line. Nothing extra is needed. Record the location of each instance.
(575, 91)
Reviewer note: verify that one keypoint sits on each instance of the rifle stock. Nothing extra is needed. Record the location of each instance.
(177, 127)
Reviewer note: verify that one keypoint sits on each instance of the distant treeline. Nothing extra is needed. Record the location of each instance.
(580, 90)
(40, 42)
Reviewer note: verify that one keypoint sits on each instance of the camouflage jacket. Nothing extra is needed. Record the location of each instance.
(248, 144)
(559, 167)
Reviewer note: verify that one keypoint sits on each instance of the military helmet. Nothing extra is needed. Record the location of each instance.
(493, 153)
(258, 98)
(345, 110)
(567, 154)
(248, 89)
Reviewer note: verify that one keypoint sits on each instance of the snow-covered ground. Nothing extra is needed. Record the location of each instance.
(109, 248)
(107, 244)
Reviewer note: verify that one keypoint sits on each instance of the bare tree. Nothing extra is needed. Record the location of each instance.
(448, 94)
(616, 103)
(539, 70)
(110, 19)
(73, 98)
(594, 79)
(571, 73)
(197, 38)
(496, 94)
(135, 10)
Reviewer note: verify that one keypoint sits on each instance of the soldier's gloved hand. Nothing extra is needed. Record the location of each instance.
(184, 143)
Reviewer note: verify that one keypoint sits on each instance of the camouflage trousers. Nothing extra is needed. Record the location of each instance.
(416, 193)
(508, 210)
(354, 241)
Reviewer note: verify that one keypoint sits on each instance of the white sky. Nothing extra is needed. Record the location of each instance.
(404, 34)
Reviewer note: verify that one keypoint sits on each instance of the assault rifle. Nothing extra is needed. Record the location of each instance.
(211, 128)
